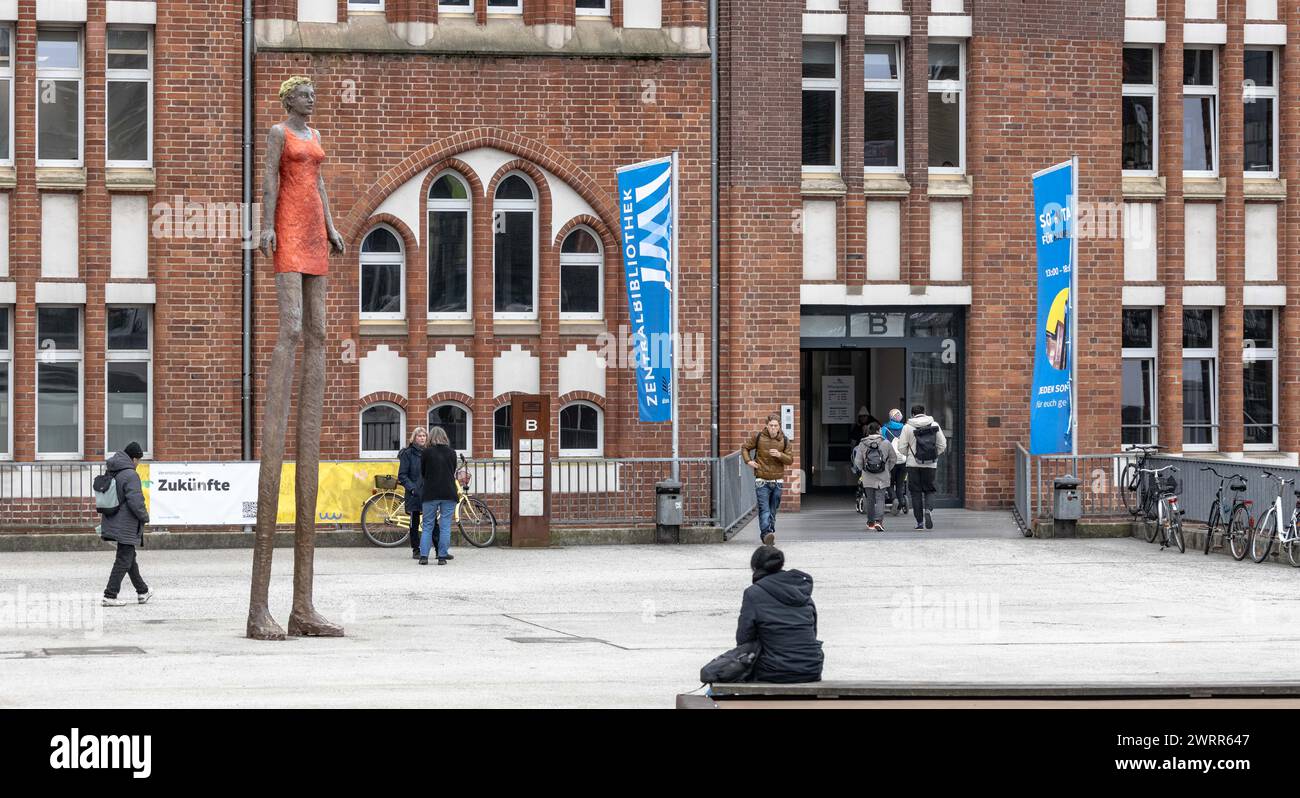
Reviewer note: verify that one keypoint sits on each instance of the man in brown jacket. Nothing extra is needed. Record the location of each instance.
(768, 453)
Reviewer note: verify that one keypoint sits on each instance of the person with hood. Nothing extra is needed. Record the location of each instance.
(771, 453)
(892, 431)
(922, 443)
(408, 474)
(874, 452)
(126, 526)
(777, 610)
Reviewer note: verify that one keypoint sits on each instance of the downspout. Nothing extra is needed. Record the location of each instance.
(714, 447)
(250, 222)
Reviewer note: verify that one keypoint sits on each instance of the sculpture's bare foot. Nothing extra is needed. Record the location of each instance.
(261, 626)
(309, 623)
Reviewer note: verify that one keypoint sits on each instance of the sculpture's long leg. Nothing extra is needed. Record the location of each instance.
(304, 619)
(279, 384)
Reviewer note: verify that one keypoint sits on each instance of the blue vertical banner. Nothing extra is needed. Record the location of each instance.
(646, 218)
(1052, 412)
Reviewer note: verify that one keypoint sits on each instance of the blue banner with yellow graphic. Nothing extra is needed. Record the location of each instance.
(1051, 416)
(646, 217)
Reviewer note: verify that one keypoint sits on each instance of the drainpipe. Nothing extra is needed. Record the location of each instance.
(713, 244)
(246, 198)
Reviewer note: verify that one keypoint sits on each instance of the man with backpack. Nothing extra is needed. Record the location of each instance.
(120, 500)
(875, 458)
(922, 443)
(768, 453)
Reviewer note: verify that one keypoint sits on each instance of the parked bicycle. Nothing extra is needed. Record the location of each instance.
(1269, 524)
(385, 522)
(1137, 488)
(1235, 523)
(1168, 515)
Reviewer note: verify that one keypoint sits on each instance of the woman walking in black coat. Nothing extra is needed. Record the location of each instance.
(408, 474)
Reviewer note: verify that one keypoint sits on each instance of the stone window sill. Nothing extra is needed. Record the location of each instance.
(1260, 188)
(8, 177)
(383, 328)
(509, 328)
(1144, 188)
(121, 178)
(824, 184)
(444, 327)
(1205, 187)
(61, 178)
(885, 185)
(943, 185)
(582, 327)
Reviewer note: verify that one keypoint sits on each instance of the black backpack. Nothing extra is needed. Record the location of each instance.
(874, 459)
(926, 449)
(737, 665)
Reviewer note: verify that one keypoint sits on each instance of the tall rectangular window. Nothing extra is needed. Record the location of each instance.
(1200, 112)
(591, 8)
(947, 93)
(1141, 131)
(1260, 123)
(514, 280)
(1259, 362)
(6, 93)
(6, 386)
(129, 79)
(1200, 379)
(450, 257)
(883, 107)
(1138, 409)
(821, 105)
(58, 381)
(58, 96)
(128, 371)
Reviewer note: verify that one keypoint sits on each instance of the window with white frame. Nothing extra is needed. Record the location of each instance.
(455, 6)
(129, 79)
(382, 287)
(454, 418)
(581, 431)
(450, 255)
(58, 381)
(581, 264)
(128, 365)
(6, 94)
(821, 104)
(1259, 363)
(505, 6)
(1260, 123)
(365, 5)
(591, 8)
(883, 107)
(1138, 415)
(947, 107)
(1200, 379)
(383, 430)
(1200, 112)
(6, 385)
(1141, 104)
(58, 96)
(501, 431)
(514, 223)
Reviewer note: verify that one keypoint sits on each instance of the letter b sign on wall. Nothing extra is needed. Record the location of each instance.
(530, 469)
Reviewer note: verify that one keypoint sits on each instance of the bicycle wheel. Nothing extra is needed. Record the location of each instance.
(1212, 527)
(381, 520)
(476, 523)
(1128, 484)
(1262, 544)
(1151, 527)
(1292, 549)
(1176, 529)
(1240, 531)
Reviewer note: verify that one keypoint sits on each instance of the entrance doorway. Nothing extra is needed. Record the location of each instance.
(839, 388)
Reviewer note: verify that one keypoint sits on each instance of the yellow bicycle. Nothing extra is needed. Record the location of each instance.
(386, 523)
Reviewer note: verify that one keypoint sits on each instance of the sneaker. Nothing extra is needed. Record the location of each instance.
(442, 560)
(880, 527)
(920, 526)
(144, 597)
(929, 522)
(415, 555)
(114, 602)
(449, 557)
(424, 561)
(769, 539)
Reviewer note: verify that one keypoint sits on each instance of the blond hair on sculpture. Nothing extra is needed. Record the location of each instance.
(288, 87)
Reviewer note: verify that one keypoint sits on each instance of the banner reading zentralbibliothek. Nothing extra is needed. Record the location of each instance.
(1051, 428)
(646, 215)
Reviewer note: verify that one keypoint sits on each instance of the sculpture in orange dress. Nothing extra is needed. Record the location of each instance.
(299, 232)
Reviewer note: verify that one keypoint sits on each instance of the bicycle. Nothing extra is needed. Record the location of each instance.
(1168, 515)
(1265, 532)
(1136, 490)
(1238, 524)
(385, 522)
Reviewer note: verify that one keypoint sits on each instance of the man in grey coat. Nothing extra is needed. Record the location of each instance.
(126, 526)
(874, 450)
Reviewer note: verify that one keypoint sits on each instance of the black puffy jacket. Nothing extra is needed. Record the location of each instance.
(779, 613)
(410, 476)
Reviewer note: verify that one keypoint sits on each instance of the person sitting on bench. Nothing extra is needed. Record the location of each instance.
(778, 611)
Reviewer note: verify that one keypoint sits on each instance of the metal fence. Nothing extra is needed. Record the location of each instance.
(737, 502)
(1198, 487)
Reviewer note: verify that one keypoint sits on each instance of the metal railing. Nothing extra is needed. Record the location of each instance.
(737, 501)
(1199, 487)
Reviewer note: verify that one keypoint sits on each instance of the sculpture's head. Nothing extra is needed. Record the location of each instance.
(298, 94)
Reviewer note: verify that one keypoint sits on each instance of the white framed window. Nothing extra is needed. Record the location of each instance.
(1141, 147)
(59, 382)
(365, 5)
(505, 6)
(6, 384)
(821, 105)
(1139, 417)
(383, 431)
(947, 111)
(128, 378)
(883, 107)
(1200, 379)
(582, 430)
(1201, 112)
(501, 431)
(582, 265)
(455, 420)
(514, 226)
(59, 98)
(455, 6)
(383, 284)
(1260, 384)
(129, 97)
(1260, 96)
(591, 8)
(6, 94)
(451, 258)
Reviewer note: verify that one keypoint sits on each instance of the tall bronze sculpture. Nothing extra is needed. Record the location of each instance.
(299, 233)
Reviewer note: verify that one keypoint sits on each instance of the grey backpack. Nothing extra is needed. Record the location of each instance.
(108, 498)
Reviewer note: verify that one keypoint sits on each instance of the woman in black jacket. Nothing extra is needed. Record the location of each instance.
(778, 611)
(408, 474)
(438, 492)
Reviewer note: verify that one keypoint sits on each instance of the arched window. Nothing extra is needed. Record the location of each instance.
(450, 254)
(382, 291)
(454, 420)
(514, 227)
(383, 430)
(501, 431)
(581, 266)
(582, 432)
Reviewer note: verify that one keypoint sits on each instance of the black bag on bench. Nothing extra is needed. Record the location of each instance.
(737, 665)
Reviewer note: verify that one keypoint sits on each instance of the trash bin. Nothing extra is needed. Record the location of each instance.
(1067, 506)
(668, 511)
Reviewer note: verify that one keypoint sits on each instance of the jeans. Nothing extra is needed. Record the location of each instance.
(874, 504)
(122, 566)
(920, 483)
(415, 532)
(442, 510)
(769, 501)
